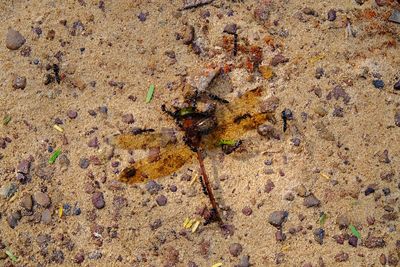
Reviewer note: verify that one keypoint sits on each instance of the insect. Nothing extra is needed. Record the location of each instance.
(202, 131)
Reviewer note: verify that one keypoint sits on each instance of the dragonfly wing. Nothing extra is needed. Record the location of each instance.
(171, 159)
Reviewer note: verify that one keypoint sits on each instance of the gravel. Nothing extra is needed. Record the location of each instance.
(128, 118)
(311, 201)
(19, 82)
(161, 200)
(98, 200)
(26, 202)
(235, 249)
(277, 218)
(14, 39)
(42, 199)
(72, 114)
(152, 187)
(332, 15)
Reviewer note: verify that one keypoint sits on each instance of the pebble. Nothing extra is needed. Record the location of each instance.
(382, 259)
(98, 200)
(379, 84)
(161, 200)
(128, 118)
(7, 191)
(42, 199)
(247, 211)
(374, 242)
(46, 216)
(173, 188)
(24, 166)
(289, 196)
(343, 221)
(397, 118)
(277, 218)
(353, 240)
(341, 257)
(332, 15)
(19, 82)
(79, 258)
(270, 104)
(235, 249)
(280, 236)
(152, 187)
(369, 191)
(84, 163)
(301, 190)
(95, 255)
(72, 114)
(311, 201)
(278, 59)
(156, 224)
(103, 109)
(262, 11)
(142, 16)
(269, 186)
(94, 142)
(244, 262)
(338, 112)
(26, 202)
(13, 219)
(268, 131)
(319, 235)
(396, 86)
(319, 72)
(230, 28)
(14, 39)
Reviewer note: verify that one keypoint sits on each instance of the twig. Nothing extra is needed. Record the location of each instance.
(208, 187)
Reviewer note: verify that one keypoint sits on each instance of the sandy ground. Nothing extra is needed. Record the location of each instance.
(110, 59)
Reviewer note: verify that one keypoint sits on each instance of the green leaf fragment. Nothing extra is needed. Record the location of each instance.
(6, 120)
(150, 93)
(354, 231)
(323, 218)
(226, 142)
(11, 255)
(186, 111)
(54, 156)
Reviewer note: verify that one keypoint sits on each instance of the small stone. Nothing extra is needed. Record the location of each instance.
(397, 118)
(94, 142)
(268, 131)
(382, 259)
(384, 157)
(332, 15)
(396, 86)
(341, 257)
(153, 187)
(262, 11)
(95, 255)
(296, 141)
(26, 202)
(244, 262)
(79, 258)
(311, 201)
(24, 166)
(156, 224)
(98, 200)
(269, 186)
(8, 190)
(343, 222)
(301, 190)
(142, 16)
(379, 84)
(374, 242)
(320, 111)
(278, 59)
(277, 218)
(46, 216)
(188, 35)
(319, 235)
(230, 28)
(269, 105)
(338, 112)
(84, 163)
(14, 39)
(353, 240)
(380, 2)
(235, 249)
(309, 11)
(247, 211)
(289, 196)
(72, 114)
(280, 236)
(42, 199)
(13, 219)
(369, 191)
(319, 72)
(128, 118)
(161, 200)
(19, 82)
(173, 188)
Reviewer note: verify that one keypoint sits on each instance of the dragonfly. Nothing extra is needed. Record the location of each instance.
(233, 120)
